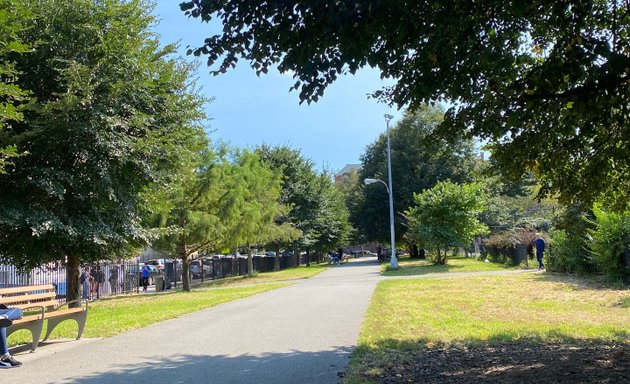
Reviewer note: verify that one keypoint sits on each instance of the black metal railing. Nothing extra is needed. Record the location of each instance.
(110, 278)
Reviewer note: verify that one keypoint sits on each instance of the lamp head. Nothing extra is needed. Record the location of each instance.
(388, 117)
(369, 181)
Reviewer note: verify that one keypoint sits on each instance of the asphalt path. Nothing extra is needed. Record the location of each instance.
(303, 333)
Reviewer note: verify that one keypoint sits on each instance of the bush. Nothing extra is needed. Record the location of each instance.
(609, 242)
(568, 254)
(509, 246)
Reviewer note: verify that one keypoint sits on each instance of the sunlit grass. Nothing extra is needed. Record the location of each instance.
(413, 314)
(408, 266)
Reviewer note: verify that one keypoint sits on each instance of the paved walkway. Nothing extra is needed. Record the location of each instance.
(303, 333)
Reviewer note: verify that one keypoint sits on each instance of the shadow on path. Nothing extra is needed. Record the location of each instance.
(266, 368)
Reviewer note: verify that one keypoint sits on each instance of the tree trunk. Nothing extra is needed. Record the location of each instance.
(183, 255)
(276, 263)
(250, 262)
(415, 254)
(296, 256)
(73, 287)
(443, 258)
(308, 257)
(362, 251)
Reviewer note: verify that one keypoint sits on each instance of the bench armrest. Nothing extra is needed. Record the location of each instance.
(81, 301)
(40, 308)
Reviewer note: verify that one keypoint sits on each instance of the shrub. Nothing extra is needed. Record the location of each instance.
(509, 246)
(609, 242)
(445, 217)
(568, 254)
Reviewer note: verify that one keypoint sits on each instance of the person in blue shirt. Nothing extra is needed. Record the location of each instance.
(146, 273)
(539, 244)
(7, 315)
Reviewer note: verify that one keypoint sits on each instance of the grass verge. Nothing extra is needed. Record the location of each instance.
(408, 266)
(469, 312)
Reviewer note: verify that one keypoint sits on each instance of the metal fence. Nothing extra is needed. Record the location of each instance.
(99, 279)
(108, 278)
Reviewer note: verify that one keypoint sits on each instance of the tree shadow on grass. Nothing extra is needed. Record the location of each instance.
(494, 361)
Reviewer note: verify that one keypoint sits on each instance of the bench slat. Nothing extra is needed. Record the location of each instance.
(30, 288)
(48, 305)
(26, 299)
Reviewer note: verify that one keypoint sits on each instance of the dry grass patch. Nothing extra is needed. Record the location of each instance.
(475, 313)
(408, 266)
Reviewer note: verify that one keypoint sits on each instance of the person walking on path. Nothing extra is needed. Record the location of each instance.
(539, 243)
(146, 273)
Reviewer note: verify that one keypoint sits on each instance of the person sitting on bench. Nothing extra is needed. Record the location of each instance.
(7, 315)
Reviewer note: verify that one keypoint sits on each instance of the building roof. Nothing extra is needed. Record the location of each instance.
(349, 168)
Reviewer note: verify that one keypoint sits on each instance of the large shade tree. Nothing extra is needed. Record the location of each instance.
(545, 82)
(419, 160)
(299, 192)
(12, 17)
(110, 117)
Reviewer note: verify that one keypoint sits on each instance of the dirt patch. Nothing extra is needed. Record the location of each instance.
(506, 364)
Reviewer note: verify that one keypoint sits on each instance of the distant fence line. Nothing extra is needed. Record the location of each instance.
(110, 278)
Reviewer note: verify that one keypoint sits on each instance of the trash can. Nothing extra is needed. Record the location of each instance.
(159, 282)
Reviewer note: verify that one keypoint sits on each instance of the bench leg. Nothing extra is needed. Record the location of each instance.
(80, 318)
(36, 332)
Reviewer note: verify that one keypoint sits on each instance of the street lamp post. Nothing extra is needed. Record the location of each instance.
(393, 260)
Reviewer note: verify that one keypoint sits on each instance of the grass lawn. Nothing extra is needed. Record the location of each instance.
(468, 312)
(109, 317)
(408, 266)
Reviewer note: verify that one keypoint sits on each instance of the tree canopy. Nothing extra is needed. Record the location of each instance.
(445, 217)
(419, 161)
(12, 16)
(190, 217)
(547, 83)
(109, 116)
(251, 204)
(316, 208)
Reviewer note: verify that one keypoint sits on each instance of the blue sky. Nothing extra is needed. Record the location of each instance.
(248, 110)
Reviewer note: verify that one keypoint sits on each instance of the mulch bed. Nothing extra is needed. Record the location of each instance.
(506, 364)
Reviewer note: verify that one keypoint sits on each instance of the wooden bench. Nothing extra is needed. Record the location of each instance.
(39, 304)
